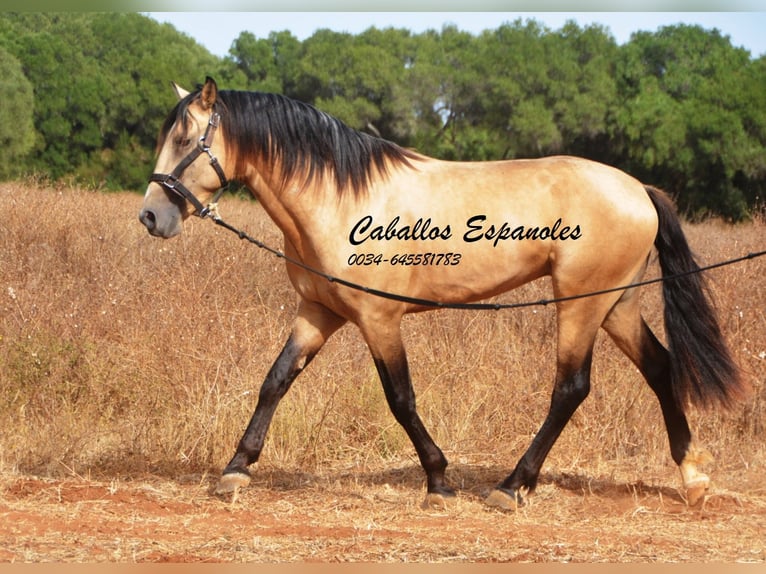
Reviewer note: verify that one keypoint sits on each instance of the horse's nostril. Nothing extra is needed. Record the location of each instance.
(148, 219)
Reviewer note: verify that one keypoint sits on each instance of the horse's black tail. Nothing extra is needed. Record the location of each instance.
(702, 369)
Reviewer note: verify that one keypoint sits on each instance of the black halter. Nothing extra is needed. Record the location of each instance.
(171, 181)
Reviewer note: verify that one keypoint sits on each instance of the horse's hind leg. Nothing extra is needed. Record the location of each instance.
(578, 322)
(313, 326)
(633, 336)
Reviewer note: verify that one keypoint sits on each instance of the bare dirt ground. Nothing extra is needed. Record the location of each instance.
(348, 515)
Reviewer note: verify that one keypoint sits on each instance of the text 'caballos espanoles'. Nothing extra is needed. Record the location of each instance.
(476, 228)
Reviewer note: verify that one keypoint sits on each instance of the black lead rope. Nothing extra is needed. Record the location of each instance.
(475, 306)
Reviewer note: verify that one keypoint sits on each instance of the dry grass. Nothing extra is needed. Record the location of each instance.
(124, 357)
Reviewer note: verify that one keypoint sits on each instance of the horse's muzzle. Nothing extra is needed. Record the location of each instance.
(159, 226)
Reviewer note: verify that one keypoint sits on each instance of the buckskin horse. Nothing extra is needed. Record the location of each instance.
(371, 212)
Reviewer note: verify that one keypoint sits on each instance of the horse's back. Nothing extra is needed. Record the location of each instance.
(607, 204)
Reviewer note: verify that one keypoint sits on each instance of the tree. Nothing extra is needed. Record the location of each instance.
(68, 109)
(548, 92)
(267, 64)
(347, 77)
(99, 95)
(683, 122)
(448, 83)
(138, 90)
(17, 132)
(583, 94)
(85, 94)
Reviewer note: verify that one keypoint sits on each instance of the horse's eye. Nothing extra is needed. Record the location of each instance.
(182, 141)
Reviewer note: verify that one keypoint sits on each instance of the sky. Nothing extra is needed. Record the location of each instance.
(217, 30)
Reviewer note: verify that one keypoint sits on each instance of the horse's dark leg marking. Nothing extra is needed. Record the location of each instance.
(570, 390)
(653, 360)
(578, 323)
(385, 342)
(395, 376)
(281, 375)
(313, 326)
(654, 363)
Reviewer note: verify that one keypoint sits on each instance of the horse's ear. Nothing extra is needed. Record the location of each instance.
(209, 93)
(180, 92)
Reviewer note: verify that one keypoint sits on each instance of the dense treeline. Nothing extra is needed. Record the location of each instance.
(84, 95)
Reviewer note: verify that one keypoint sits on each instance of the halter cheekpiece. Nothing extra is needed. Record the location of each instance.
(172, 181)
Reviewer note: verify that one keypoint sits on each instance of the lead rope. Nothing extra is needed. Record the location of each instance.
(212, 212)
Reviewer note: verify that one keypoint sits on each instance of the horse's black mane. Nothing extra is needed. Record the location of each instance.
(301, 140)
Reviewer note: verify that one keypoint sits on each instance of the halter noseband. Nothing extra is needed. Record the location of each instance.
(172, 182)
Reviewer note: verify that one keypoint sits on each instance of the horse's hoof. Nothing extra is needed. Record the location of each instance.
(232, 482)
(438, 496)
(434, 501)
(696, 483)
(504, 500)
(695, 491)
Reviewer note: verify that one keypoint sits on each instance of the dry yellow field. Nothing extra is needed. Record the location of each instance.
(129, 367)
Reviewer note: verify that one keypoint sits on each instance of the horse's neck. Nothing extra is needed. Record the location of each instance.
(293, 209)
(268, 194)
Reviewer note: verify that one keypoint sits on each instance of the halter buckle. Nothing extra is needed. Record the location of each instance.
(170, 182)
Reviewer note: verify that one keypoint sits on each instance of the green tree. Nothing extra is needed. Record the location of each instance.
(516, 97)
(351, 77)
(686, 119)
(68, 108)
(99, 94)
(254, 59)
(583, 93)
(85, 94)
(137, 89)
(17, 132)
(392, 88)
(269, 64)
(751, 177)
(548, 92)
(447, 83)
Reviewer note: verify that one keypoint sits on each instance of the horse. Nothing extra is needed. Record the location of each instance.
(374, 213)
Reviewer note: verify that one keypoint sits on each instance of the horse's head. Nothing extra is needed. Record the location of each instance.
(187, 173)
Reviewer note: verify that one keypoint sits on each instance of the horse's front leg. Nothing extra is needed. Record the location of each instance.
(313, 326)
(385, 343)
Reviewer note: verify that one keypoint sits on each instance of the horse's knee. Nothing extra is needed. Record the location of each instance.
(575, 389)
(402, 407)
(572, 386)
